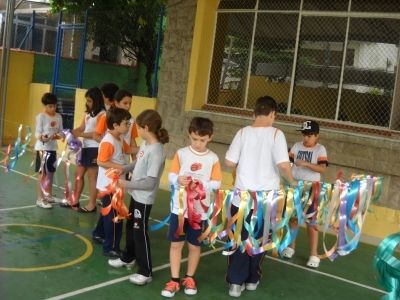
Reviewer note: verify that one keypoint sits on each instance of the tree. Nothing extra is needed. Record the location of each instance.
(128, 24)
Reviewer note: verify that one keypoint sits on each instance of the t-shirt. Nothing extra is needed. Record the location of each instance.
(90, 126)
(150, 161)
(110, 149)
(202, 166)
(47, 125)
(257, 151)
(314, 155)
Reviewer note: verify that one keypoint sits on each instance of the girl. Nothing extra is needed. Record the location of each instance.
(88, 158)
(147, 170)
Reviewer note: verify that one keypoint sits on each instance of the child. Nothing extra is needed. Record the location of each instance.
(88, 156)
(48, 130)
(112, 151)
(259, 154)
(192, 166)
(143, 186)
(122, 99)
(108, 90)
(309, 161)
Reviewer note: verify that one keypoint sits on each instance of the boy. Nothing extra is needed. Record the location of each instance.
(193, 167)
(112, 151)
(259, 154)
(309, 160)
(48, 130)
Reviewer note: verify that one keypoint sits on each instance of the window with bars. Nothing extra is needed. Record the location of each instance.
(327, 60)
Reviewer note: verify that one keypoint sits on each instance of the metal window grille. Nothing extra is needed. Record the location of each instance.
(328, 60)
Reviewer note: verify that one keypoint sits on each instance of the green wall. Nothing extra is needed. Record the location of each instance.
(94, 74)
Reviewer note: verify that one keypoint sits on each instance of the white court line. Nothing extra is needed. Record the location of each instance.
(205, 253)
(110, 282)
(326, 274)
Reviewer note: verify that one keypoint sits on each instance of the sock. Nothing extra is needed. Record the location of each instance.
(175, 279)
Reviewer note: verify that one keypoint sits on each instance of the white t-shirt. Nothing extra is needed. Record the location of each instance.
(257, 151)
(314, 155)
(47, 125)
(90, 126)
(204, 167)
(110, 149)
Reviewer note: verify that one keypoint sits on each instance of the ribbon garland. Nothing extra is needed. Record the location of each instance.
(117, 200)
(388, 266)
(18, 148)
(340, 207)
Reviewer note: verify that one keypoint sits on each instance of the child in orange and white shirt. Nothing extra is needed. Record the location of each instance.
(112, 154)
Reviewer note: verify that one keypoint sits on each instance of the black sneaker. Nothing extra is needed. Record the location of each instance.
(112, 253)
(98, 239)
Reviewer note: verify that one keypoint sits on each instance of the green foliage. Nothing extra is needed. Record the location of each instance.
(129, 24)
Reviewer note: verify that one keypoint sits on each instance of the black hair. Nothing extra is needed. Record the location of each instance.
(116, 115)
(109, 90)
(95, 94)
(49, 98)
(121, 94)
(201, 126)
(152, 119)
(264, 106)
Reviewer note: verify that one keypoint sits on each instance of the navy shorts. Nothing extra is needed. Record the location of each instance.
(88, 157)
(50, 159)
(189, 234)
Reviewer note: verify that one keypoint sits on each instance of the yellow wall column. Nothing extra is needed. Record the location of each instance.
(200, 59)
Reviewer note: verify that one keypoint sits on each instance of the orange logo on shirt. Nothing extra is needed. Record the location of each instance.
(196, 167)
(53, 123)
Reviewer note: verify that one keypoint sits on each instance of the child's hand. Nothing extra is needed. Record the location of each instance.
(184, 180)
(45, 138)
(116, 171)
(121, 183)
(301, 163)
(57, 136)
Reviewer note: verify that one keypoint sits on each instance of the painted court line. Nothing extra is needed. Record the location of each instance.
(326, 274)
(117, 280)
(111, 282)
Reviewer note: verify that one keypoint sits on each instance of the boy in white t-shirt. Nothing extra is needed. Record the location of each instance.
(112, 150)
(48, 130)
(196, 168)
(309, 160)
(259, 154)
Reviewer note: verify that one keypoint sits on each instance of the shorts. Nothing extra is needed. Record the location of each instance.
(50, 159)
(88, 157)
(190, 235)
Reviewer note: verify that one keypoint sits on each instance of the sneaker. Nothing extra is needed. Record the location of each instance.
(43, 203)
(112, 253)
(118, 263)
(52, 199)
(252, 286)
(288, 252)
(235, 290)
(170, 289)
(190, 286)
(313, 262)
(139, 279)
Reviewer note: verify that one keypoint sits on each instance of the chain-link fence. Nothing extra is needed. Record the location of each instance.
(326, 60)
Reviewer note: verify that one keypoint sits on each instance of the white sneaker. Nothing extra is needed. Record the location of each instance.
(288, 252)
(252, 286)
(118, 263)
(139, 279)
(52, 199)
(235, 290)
(43, 203)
